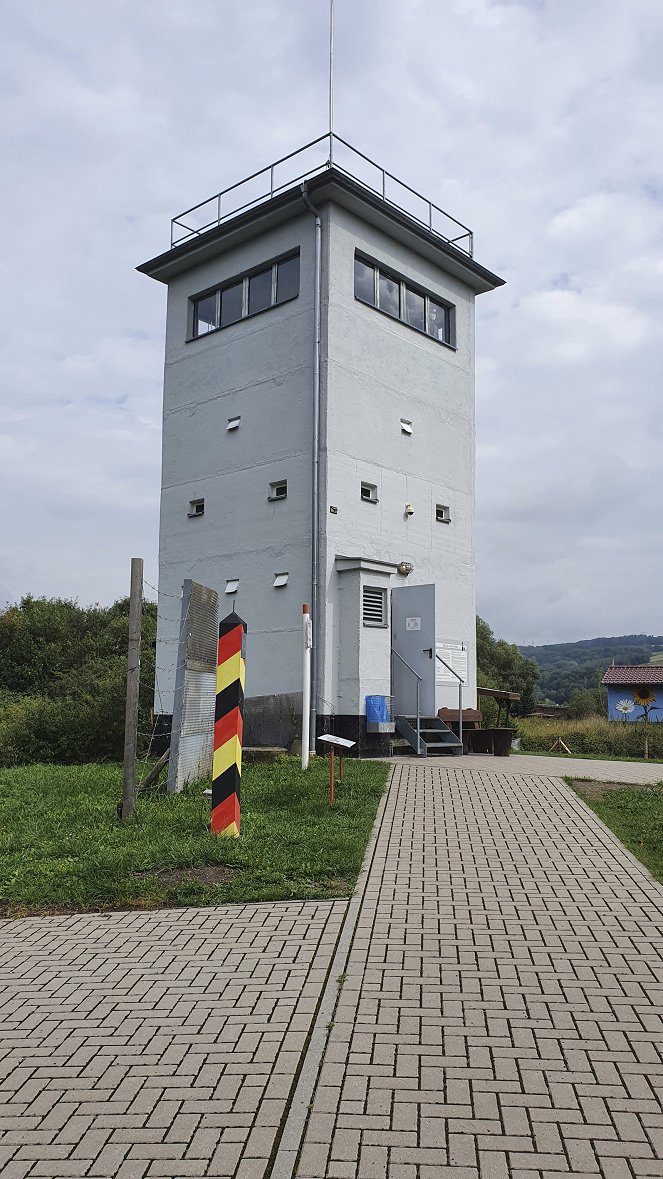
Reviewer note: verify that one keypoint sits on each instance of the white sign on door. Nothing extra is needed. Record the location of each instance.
(413, 624)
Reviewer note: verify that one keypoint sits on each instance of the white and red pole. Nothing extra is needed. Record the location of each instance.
(307, 643)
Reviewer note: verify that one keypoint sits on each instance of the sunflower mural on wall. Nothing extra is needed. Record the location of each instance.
(646, 698)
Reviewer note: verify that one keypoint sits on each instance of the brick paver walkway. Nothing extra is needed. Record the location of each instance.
(502, 1011)
(500, 1014)
(160, 1044)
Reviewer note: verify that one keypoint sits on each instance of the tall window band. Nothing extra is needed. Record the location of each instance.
(394, 296)
(245, 296)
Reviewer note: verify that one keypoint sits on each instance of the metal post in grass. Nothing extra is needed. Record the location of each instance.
(228, 727)
(341, 744)
(307, 643)
(133, 689)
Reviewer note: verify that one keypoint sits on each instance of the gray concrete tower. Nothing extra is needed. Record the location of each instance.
(393, 282)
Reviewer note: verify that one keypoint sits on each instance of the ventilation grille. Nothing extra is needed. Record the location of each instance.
(374, 606)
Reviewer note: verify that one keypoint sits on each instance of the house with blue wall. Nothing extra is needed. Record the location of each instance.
(635, 693)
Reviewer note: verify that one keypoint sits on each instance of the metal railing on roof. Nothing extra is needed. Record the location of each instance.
(315, 157)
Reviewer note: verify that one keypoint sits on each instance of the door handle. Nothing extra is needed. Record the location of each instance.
(428, 650)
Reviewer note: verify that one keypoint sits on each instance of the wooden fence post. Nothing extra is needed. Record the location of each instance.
(133, 689)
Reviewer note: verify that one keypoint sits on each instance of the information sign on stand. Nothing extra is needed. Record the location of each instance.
(341, 744)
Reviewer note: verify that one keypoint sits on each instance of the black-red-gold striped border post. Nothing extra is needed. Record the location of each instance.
(228, 724)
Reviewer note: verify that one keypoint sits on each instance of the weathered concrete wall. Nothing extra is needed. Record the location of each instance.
(377, 371)
(261, 369)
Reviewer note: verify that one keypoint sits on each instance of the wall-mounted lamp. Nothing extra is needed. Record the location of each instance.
(405, 568)
(409, 510)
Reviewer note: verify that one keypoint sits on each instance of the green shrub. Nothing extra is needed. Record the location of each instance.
(63, 681)
(594, 736)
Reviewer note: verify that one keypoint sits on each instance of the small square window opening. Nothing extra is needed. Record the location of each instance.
(278, 490)
(442, 514)
(280, 579)
(374, 606)
(196, 507)
(369, 493)
(232, 585)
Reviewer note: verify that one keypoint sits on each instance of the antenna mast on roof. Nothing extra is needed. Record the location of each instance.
(331, 72)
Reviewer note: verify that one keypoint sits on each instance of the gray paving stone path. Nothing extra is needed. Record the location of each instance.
(499, 1014)
(502, 1011)
(159, 1044)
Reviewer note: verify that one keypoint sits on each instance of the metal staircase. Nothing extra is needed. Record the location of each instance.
(435, 738)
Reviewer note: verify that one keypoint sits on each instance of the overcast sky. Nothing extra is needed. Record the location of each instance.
(536, 122)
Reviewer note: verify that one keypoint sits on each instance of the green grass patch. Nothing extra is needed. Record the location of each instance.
(585, 756)
(634, 813)
(62, 846)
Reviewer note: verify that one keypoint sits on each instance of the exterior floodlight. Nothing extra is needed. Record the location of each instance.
(405, 568)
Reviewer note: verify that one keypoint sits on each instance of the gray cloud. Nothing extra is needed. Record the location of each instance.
(536, 123)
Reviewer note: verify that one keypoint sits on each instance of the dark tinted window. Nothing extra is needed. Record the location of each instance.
(231, 304)
(204, 315)
(364, 282)
(260, 291)
(438, 321)
(287, 280)
(389, 295)
(415, 309)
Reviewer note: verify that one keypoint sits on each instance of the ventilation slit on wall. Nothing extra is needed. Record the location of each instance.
(374, 606)
(196, 507)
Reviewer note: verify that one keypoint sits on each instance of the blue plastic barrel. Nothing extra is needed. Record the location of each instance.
(377, 710)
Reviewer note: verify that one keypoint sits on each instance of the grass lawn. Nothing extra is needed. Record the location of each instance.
(634, 813)
(645, 761)
(62, 847)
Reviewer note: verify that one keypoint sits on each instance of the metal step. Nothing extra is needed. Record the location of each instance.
(435, 737)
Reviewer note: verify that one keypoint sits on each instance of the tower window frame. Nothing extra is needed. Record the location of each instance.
(419, 309)
(368, 492)
(245, 295)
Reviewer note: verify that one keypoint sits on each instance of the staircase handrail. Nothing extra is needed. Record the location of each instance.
(419, 681)
(460, 695)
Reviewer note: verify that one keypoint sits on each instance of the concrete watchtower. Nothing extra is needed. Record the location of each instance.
(318, 431)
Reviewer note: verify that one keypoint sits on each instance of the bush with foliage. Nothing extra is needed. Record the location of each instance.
(500, 665)
(593, 736)
(63, 679)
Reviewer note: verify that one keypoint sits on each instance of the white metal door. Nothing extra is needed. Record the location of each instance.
(413, 639)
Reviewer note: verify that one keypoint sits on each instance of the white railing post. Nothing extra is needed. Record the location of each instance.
(307, 643)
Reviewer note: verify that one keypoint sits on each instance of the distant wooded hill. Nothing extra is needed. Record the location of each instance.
(570, 667)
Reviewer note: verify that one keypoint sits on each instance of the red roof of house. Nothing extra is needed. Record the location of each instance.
(644, 673)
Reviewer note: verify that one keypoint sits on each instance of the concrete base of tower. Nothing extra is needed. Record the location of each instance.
(353, 728)
(273, 720)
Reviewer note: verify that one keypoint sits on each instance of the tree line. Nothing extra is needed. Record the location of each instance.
(63, 678)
